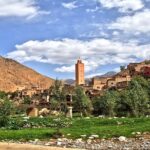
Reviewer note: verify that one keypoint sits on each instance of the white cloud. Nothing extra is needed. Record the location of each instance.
(95, 53)
(137, 23)
(20, 8)
(70, 5)
(89, 65)
(93, 10)
(65, 69)
(115, 33)
(122, 5)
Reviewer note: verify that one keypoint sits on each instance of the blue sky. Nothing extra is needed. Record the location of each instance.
(50, 35)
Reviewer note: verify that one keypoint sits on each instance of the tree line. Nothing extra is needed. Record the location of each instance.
(134, 101)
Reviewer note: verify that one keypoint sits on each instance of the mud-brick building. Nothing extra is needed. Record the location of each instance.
(145, 71)
(32, 91)
(99, 83)
(120, 80)
(138, 68)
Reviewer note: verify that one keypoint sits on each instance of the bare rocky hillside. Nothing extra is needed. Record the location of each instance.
(14, 75)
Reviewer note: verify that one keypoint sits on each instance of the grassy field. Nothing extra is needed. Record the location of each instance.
(105, 128)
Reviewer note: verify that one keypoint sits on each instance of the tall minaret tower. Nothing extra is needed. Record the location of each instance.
(79, 72)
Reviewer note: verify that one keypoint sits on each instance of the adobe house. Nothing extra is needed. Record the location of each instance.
(37, 89)
(99, 83)
(136, 68)
(32, 111)
(28, 92)
(111, 83)
(119, 80)
(145, 71)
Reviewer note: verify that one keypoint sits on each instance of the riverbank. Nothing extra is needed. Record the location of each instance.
(140, 142)
(16, 146)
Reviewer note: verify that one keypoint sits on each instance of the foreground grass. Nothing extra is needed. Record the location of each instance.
(105, 128)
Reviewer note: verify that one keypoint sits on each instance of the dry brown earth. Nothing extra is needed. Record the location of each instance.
(14, 75)
(13, 146)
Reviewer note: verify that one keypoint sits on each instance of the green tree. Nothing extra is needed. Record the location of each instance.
(57, 95)
(110, 99)
(122, 68)
(106, 104)
(6, 109)
(27, 100)
(123, 107)
(145, 84)
(99, 105)
(141, 81)
(137, 98)
(81, 102)
(2, 95)
(133, 101)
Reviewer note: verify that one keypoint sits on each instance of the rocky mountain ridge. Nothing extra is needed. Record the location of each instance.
(14, 75)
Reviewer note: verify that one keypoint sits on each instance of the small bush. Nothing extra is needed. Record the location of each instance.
(4, 121)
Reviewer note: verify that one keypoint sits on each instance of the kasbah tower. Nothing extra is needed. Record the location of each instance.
(79, 72)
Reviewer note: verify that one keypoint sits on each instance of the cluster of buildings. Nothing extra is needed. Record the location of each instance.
(118, 81)
(97, 84)
(29, 91)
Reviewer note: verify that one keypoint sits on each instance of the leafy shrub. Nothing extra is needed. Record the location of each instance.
(4, 121)
(133, 101)
(20, 123)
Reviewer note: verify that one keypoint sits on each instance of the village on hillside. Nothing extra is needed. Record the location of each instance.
(62, 114)
(98, 84)
(39, 99)
(74, 74)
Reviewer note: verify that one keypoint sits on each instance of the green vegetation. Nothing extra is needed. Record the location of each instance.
(105, 128)
(122, 68)
(57, 96)
(81, 102)
(2, 95)
(133, 101)
(6, 109)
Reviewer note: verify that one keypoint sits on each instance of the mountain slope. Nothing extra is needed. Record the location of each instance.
(108, 74)
(14, 75)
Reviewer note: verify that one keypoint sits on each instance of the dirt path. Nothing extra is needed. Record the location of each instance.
(13, 146)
